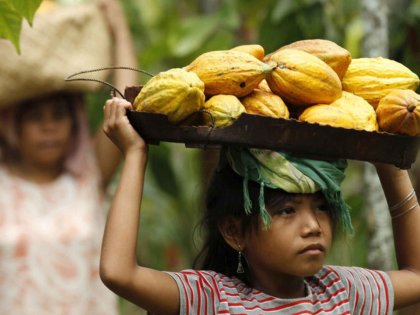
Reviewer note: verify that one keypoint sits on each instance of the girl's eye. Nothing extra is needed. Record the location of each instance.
(323, 207)
(285, 211)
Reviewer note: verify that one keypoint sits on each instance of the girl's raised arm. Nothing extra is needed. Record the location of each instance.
(152, 290)
(405, 214)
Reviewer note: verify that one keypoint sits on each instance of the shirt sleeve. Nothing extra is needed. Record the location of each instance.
(198, 290)
(370, 291)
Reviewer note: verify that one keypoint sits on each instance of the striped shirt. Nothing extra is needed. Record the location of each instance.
(333, 290)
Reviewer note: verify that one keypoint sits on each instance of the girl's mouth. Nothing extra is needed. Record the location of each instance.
(313, 249)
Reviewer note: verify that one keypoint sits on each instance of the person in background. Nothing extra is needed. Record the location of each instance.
(270, 220)
(53, 179)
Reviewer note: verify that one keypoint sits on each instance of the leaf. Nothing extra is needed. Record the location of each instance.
(192, 34)
(288, 7)
(27, 8)
(10, 23)
(283, 9)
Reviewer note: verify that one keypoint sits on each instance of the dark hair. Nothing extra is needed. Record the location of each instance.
(224, 199)
(68, 100)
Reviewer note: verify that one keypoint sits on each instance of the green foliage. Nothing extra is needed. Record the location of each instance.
(12, 14)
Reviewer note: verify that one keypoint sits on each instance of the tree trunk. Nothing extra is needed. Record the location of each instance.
(375, 43)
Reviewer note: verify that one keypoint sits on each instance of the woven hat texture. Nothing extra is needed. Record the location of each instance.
(61, 42)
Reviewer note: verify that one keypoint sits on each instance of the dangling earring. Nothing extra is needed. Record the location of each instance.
(240, 268)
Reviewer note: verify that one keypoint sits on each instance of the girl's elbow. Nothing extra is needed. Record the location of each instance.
(113, 278)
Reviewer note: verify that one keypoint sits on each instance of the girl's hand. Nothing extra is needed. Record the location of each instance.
(118, 128)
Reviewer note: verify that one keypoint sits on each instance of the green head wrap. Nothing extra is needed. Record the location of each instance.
(291, 174)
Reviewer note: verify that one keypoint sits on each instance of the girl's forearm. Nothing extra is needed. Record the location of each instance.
(405, 215)
(118, 257)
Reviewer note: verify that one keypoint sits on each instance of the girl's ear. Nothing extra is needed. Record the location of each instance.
(230, 229)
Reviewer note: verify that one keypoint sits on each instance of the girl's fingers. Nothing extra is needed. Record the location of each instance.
(115, 110)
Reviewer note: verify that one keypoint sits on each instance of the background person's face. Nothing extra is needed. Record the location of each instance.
(45, 133)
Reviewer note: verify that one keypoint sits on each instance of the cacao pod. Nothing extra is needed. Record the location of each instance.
(176, 93)
(265, 104)
(253, 49)
(263, 86)
(356, 113)
(374, 78)
(222, 110)
(337, 57)
(324, 114)
(399, 112)
(302, 79)
(229, 72)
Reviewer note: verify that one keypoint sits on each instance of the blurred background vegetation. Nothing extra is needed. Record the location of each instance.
(171, 33)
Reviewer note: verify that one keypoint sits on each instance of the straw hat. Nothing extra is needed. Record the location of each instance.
(62, 41)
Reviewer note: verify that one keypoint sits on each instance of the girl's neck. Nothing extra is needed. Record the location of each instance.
(35, 173)
(284, 287)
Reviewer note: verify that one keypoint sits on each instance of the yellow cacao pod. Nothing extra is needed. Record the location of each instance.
(374, 78)
(399, 112)
(265, 104)
(253, 49)
(362, 112)
(354, 112)
(222, 110)
(176, 93)
(337, 57)
(229, 72)
(324, 114)
(302, 79)
(263, 86)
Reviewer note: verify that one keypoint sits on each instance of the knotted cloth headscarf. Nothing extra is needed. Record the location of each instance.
(292, 174)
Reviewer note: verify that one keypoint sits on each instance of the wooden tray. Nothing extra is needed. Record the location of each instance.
(301, 138)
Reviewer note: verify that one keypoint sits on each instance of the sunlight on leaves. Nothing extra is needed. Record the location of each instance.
(27, 8)
(12, 13)
(10, 23)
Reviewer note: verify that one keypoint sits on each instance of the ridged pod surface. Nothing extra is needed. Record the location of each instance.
(176, 93)
(229, 72)
(263, 86)
(253, 49)
(222, 110)
(324, 114)
(349, 111)
(265, 104)
(399, 112)
(374, 78)
(337, 57)
(302, 79)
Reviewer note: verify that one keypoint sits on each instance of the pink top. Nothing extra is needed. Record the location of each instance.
(50, 239)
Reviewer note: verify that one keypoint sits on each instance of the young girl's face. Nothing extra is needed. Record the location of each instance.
(297, 241)
(45, 133)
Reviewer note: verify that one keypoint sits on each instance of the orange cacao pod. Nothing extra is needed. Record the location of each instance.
(399, 112)
(337, 57)
(302, 79)
(265, 104)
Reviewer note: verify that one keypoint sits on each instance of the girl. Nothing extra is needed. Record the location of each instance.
(53, 179)
(270, 221)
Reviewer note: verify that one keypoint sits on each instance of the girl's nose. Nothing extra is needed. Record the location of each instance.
(310, 224)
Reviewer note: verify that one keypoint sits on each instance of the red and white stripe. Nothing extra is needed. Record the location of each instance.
(333, 290)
